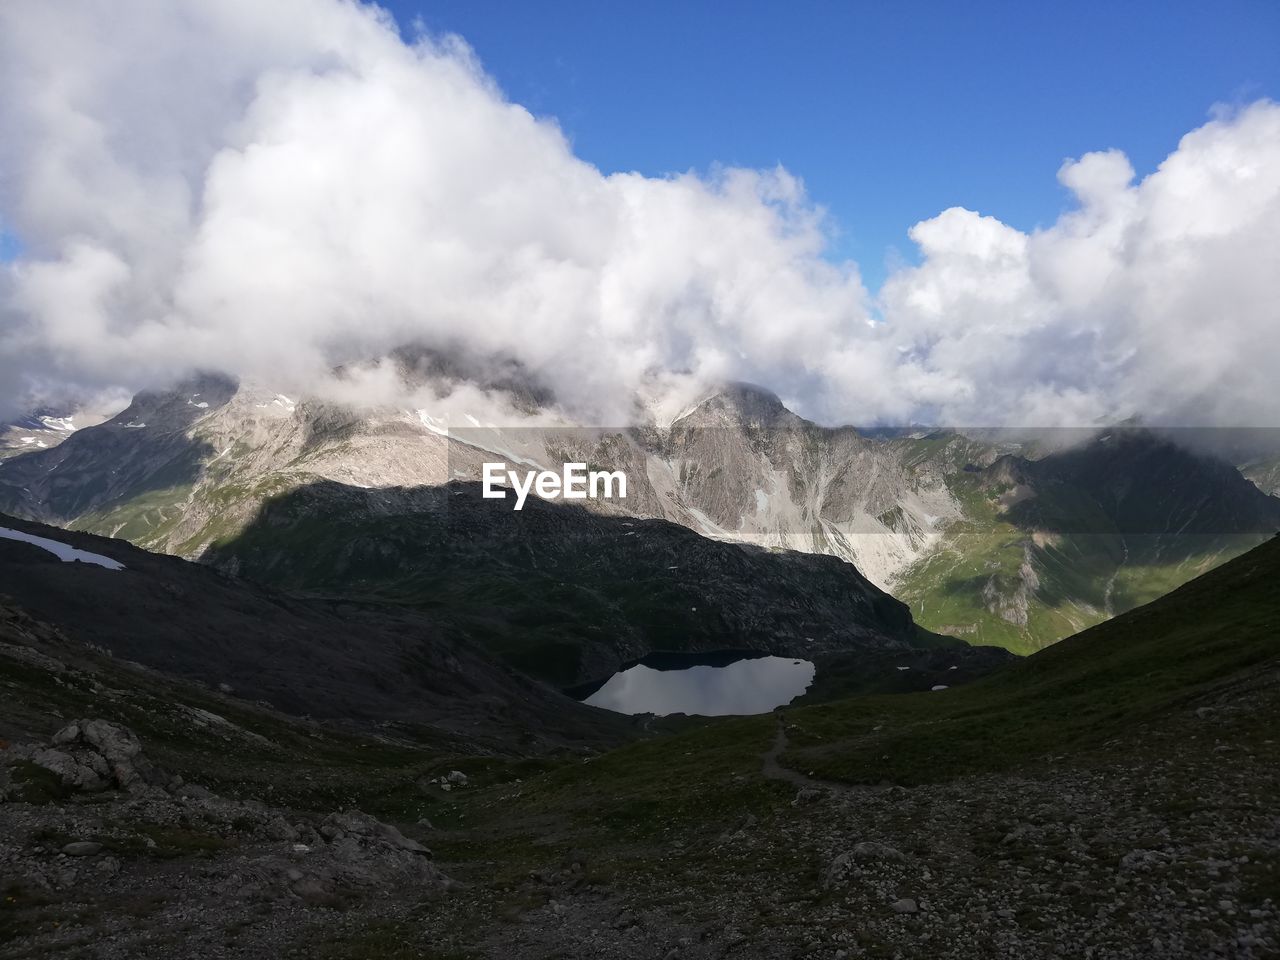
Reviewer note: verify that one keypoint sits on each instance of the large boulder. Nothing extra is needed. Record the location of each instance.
(98, 754)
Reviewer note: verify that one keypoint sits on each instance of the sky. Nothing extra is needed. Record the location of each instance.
(978, 214)
(888, 111)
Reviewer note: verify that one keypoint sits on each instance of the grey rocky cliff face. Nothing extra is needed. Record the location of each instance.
(1265, 474)
(177, 471)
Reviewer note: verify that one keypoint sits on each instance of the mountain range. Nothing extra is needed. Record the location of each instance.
(987, 537)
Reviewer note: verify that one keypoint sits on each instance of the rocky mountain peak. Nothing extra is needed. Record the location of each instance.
(739, 404)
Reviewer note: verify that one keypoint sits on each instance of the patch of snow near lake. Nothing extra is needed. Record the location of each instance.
(63, 551)
(66, 424)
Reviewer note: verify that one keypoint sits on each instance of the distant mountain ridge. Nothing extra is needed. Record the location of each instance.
(177, 471)
(1052, 546)
(46, 427)
(938, 518)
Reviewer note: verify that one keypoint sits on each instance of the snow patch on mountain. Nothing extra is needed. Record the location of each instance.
(63, 551)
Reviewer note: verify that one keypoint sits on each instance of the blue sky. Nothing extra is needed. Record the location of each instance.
(10, 246)
(889, 111)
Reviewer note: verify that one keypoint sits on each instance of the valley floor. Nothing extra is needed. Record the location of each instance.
(684, 847)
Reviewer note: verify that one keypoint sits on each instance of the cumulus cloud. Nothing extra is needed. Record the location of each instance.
(1156, 298)
(273, 189)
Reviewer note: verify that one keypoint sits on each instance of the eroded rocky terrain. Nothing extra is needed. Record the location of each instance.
(1158, 858)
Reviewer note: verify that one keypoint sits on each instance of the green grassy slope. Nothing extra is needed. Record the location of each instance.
(1136, 680)
(1076, 695)
(1001, 581)
(1112, 715)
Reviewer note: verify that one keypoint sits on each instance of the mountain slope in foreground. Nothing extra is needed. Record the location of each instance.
(1113, 796)
(360, 665)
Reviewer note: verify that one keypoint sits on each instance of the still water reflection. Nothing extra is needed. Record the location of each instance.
(714, 685)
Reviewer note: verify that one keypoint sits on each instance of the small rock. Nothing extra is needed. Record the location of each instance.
(108, 866)
(870, 850)
(82, 848)
(905, 905)
(806, 795)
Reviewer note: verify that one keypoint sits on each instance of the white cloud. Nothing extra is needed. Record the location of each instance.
(273, 188)
(1157, 298)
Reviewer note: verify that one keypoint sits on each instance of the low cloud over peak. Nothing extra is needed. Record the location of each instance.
(274, 189)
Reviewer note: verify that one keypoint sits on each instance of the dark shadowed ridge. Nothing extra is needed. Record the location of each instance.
(336, 660)
(569, 595)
